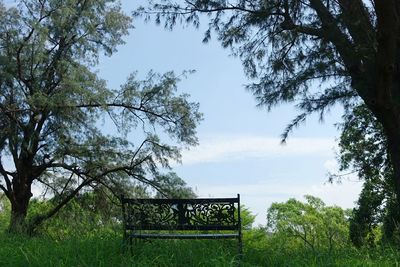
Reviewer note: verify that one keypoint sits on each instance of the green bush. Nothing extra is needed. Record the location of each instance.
(85, 215)
(312, 224)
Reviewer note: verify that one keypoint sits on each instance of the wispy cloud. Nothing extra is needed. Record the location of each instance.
(259, 196)
(231, 147)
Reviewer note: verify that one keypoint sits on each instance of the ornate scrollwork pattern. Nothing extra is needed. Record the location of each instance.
(167, 214)
(141, 215)
(211, 214)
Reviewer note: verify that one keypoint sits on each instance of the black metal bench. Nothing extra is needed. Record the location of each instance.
(200, 218)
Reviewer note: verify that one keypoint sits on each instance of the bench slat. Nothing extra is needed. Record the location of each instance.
(179, 200)
(185, 236)
(183, 227)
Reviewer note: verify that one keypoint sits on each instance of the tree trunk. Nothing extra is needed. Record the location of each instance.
(394, 154)
(20, 197)
(392, 220)
(390, 120)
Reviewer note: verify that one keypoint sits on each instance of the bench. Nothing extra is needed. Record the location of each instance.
(199, 218)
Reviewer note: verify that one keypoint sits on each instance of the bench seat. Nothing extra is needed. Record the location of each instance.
(185, 236)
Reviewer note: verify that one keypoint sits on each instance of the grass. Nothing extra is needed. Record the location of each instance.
(104, 249)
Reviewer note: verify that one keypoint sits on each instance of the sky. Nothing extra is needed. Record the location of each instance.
(239, 147)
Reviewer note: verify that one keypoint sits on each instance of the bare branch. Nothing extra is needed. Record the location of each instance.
(6, 192)
(48, 185)
(40, 218)
(5, 174)
(67, 183)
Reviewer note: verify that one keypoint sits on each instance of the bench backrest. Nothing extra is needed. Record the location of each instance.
(181, 214)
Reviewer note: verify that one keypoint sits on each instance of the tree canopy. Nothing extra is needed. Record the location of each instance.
(52, 105)
(312, 223)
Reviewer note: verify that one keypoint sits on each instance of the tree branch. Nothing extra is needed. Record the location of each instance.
(123, 105)
(5, 174)
(36, 221)
(195, 8)
(6, 192)
(48, 185)
(66, 184)
(357, 21)
(343, 45)
(151, 183)
(127, 169)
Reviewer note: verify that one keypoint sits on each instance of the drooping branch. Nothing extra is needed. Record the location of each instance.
(37, 220)
(128, 106)
(319, 104)
(125, 106)
(87, 180)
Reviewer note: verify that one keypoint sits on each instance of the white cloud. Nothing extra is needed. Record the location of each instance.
(230, 148)
(259, 196)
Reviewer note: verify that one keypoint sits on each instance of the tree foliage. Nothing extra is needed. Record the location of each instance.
(313, 223)
(52, 104)
(363, 147)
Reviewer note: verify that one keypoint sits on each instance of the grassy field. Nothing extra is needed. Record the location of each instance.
(104, 249)
(73, 240)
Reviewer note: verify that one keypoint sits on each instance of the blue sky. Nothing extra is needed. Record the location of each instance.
(239, 150)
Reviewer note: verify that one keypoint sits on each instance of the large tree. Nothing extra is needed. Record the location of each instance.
(363, 149)
(313, 53)
(53, 103)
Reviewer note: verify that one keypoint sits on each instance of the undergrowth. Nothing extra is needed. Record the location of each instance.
(104, 249)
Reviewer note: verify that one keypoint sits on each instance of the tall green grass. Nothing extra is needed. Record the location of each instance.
(79, 238)
(104, 249)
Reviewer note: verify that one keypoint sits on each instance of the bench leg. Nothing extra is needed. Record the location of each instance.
(131, 245)
(124, 243)
(240, 249)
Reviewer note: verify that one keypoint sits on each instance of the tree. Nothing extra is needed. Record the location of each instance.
(247, 218)
(173, 186)
(313, 53)
(314, 224)
(363, 149)
(53, 103)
